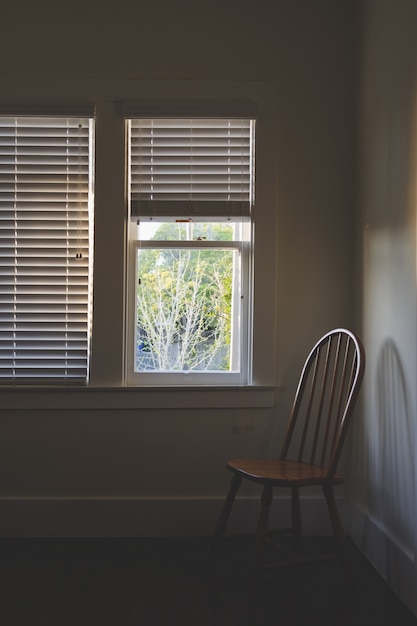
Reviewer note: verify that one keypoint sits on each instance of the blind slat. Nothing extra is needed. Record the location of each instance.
(192, 160)
(45, 184)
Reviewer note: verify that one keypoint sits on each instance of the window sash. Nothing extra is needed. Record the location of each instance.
(236, 376)
(45, 247)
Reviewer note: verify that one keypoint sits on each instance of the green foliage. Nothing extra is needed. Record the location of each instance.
(184, 305)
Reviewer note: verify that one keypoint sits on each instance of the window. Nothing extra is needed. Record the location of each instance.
(45, 248)
(189, 303)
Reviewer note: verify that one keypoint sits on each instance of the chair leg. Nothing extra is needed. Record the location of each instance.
(266, 500)
(338, 531)
(227, 507)
(296, 512)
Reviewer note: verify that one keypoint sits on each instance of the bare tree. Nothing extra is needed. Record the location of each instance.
(184, 310)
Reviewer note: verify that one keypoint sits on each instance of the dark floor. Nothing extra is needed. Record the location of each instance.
(164, 582)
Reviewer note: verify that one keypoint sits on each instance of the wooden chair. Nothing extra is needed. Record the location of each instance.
(322, 409)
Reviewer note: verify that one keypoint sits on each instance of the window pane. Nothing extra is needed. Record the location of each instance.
(187, 318)
(188, 230)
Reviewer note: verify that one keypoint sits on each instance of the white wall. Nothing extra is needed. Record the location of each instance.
(384, 449)
(110, 462)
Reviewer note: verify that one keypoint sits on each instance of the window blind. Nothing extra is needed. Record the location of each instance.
(45, 180)
(191, 166)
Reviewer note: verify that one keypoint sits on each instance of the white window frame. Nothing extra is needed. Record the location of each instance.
(245, 248)
(241, 298)
(145, 98)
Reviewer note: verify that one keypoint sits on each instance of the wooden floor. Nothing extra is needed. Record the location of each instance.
(166, 582)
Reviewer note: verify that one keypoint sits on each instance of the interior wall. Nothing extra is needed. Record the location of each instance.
(384, 451)
(63, 459)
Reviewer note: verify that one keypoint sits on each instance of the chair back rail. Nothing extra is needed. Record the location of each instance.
(324, 400)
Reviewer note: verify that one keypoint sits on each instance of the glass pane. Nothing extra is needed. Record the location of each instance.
(189, 231)
(187, 318)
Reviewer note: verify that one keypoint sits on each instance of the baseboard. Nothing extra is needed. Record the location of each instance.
(394, 560)
(147, 517)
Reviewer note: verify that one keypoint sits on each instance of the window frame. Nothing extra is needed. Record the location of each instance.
(145, 98)
(206, 378)
(192, 378)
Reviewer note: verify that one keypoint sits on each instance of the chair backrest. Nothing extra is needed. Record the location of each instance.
(326, 394)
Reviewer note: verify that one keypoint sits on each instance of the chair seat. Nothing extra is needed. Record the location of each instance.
(281, 472)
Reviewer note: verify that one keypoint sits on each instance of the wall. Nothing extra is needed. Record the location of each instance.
(110, 461)
(384, 450)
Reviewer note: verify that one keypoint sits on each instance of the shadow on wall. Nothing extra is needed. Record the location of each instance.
(391, 457)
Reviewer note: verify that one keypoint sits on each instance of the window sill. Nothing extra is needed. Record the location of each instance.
(143, 398)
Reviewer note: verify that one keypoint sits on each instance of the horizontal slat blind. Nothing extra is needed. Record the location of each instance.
(193, 161)
(44, 249)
